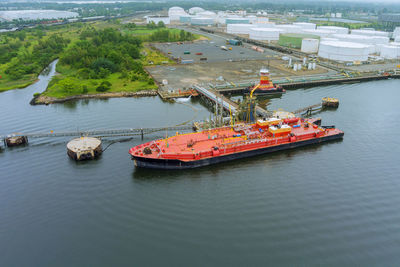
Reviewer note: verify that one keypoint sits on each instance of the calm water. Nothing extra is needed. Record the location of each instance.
(333, 204)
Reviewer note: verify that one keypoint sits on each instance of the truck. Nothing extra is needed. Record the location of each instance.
(186, 52)
(233, 42)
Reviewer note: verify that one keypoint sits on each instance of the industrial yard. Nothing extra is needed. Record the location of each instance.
(237, 45)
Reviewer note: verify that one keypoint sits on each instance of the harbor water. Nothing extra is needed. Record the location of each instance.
(331, 204)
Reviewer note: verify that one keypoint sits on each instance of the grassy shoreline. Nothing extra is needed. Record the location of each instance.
(69, 80)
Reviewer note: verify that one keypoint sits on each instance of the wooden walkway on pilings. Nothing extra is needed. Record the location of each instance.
(99, 133)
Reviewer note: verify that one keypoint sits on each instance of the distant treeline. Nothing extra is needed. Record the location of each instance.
(120, 8)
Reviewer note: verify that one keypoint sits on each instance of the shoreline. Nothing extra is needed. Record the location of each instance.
(46, 100)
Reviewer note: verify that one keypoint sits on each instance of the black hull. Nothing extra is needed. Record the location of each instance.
(169, 164)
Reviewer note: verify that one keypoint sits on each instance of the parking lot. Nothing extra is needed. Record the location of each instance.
(211, 50)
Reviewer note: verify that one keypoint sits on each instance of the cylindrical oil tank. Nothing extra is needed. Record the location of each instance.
(370, 33)
(390, 51)
(239, 28)
(343, 51)
(305, 25)
(309, 46)
(334, 29)
(264, 34)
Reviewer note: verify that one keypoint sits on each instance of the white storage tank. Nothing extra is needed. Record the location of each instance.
(363, 39)
(200, 21)
(185, 19)
(265, 34)
(262, 20)
(305, 25)
(252, 19)
(397, 38)
(370, 33)
(239, 28)
(207, 14)
(265, 25)
(334, 29)
(288, 28)
(390, 51)
(343, 51)
(319, 32)
(175, 12)
(309, 45)
(195, 10)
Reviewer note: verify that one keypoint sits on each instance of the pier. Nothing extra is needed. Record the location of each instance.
(226, 103)
(95, 133)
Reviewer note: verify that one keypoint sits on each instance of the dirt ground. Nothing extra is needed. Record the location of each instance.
(183, 76)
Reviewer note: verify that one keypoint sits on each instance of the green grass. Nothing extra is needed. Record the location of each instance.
(118, 84)
(155, 56)
(69, 31)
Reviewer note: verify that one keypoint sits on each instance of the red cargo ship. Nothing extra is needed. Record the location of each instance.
(265, 87)
(222, 144)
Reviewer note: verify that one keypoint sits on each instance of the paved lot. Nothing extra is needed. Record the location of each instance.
(212, 51)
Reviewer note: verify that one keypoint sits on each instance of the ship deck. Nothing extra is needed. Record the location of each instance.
(224, 140)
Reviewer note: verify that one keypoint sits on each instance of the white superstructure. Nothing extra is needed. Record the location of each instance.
(343, 51)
